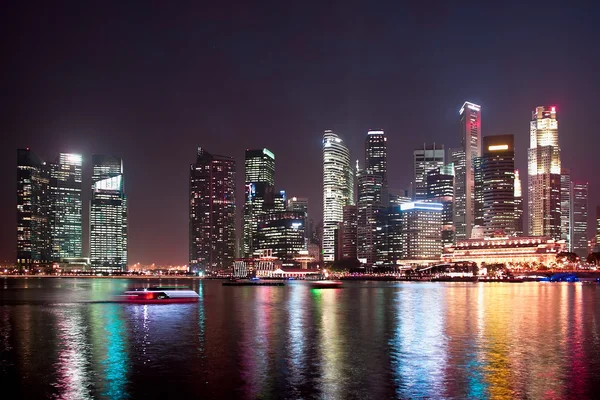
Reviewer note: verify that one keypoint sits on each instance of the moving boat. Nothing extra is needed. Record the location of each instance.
(160, 295)
(325, 284)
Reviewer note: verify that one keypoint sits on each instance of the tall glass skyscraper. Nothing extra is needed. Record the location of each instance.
(376, 160)
(66, 207)
(212, 212)
(425, 159)
(497, 168)
(440, 189)
(259, 193)
(33, 230)
(566, 197)
(579, 241)
(544, 174)
(338, 189)
(108, 215)
(464, 164)
(518, 205)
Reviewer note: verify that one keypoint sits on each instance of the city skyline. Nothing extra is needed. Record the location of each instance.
(229, 100)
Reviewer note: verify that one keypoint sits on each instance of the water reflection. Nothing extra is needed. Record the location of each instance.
(109, 338)
(366, 340)
(73, 359)
(418, 348)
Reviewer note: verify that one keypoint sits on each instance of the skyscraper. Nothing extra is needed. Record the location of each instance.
(33, 230)
(349, 233)
(108, 215)
(440, 189)
(457, 156)
(212, 211)
(464, 164)
(519, 228)
(338, 189)
(498, 185)
(370, 203)
(579, 242)
(376, 159)
(424, 160)
(544, 174)
(421, 231)
(566, 196)
(66, 207)
(282, 232)
(259, 193)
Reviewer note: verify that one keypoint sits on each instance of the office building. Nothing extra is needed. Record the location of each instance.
(349, 232)
(544, 167)
(497, 169)
(566, 195)
(421, 231)
(259, 195)
(440, 189)
(519, 216)
(33, 230)
(579, 241)
(338, 189)
(281, 232)
(457, 156)
(212, 212)
(66, 206)
(299, 204)
(376, 159)
(425, 159)
(369, 204)
(108, 215)
(464, 163)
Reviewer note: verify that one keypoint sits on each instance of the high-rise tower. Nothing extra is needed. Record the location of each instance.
(579, 243)
(212, 211)
(464, 164)
(259, 193)
(566, 199)
(498, 185)
(108, 215)
(425, 159)
(66, 207)
(544, 174)
(338, 189)
(33, 230)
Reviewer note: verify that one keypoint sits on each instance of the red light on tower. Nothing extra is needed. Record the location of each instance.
(553, 109)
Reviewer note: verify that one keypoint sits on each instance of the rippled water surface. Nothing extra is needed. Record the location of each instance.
(64, 338)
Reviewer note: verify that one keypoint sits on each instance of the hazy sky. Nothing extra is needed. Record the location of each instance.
(151, 83)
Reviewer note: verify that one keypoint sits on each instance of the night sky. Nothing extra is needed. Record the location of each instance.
(151, 83)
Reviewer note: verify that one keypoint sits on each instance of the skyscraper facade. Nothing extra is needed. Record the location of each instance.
(108, 215)
(282, 232)
(376, 160)
(425, 159)
(212, 211)
(579, 241)
(440, 189)
(421, 231)
(66, 207)
(33, 230)
(519, 226)
(566, 195)
(259, 193)
(464, 163)
(543, 158)
(338, 189)
(457, 156)
(349, 232)
(370, 203)
(497, 168)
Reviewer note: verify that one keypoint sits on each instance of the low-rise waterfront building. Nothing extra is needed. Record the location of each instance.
(511, 251)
